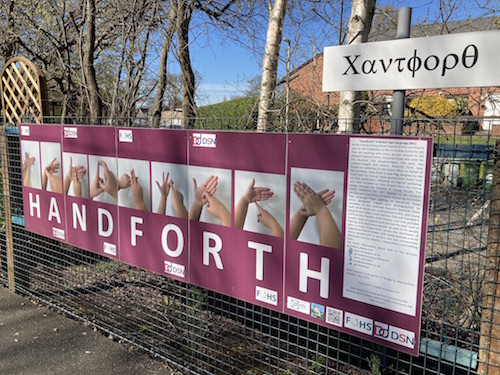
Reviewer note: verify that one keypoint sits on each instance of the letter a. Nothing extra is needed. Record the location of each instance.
(54, 210)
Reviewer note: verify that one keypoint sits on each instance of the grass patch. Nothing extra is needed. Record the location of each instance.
(465, 140)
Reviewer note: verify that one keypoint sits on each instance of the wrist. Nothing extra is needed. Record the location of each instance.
(244, 201)
(321, 210)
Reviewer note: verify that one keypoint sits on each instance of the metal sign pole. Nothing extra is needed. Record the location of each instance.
(398, 97)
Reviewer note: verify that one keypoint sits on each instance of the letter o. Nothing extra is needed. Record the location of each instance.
(180, 240)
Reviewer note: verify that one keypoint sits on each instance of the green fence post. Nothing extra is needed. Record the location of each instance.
(8, 216)
(489, 342)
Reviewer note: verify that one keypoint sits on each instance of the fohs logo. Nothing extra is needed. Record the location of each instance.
(70, 132)
(125, 136)
(58, 233)
(25, 130)
(266, 295)
(109, 248)
(396, 335)
(358, 323)
(204, 140)
(298, 305)
(175, 269)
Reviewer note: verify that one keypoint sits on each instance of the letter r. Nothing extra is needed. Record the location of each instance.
(209, 238)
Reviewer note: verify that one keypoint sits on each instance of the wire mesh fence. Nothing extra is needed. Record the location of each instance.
(202, 332)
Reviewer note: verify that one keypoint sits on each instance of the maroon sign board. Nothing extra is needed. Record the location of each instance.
(327, 228)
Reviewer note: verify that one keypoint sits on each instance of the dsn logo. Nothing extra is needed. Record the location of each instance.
(204, 140)
(70, 132)
(266, 295)
(396, 335)
(58, 233)
(175, 269)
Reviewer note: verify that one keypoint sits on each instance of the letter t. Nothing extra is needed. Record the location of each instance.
(259, 257)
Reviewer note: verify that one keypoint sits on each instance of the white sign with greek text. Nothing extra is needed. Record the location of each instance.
(455, 60)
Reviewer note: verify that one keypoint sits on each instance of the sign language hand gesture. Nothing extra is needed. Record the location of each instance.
(256, 193)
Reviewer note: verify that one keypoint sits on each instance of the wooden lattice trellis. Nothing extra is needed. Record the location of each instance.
(24, 98)
(24, 92)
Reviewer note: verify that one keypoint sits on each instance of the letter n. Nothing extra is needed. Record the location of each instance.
(79, 217)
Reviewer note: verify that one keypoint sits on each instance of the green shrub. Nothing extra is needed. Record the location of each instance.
(433, 106)
(240, 114)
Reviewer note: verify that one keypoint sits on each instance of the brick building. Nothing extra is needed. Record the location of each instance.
(480, 105)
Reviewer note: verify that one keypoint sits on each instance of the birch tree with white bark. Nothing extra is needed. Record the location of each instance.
(358, 29)
(277, 12)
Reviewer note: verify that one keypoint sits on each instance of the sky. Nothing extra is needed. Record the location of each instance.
(225, 67)
(225, 74)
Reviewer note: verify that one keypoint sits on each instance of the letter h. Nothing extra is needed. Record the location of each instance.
(323, 276)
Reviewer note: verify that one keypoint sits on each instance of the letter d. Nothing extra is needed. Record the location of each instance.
(100, 222)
